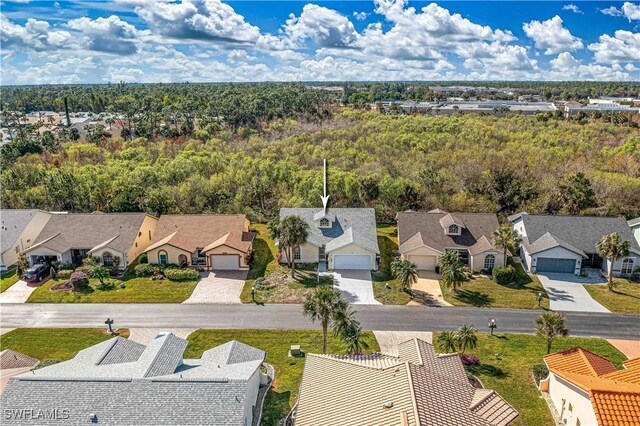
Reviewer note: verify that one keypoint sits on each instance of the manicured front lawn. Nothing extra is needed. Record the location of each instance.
(510, 375)
(485, 292)
(276, 343)
(54, 344)
(7, 279)
(625, 296)
(386, 289)
(137, 290)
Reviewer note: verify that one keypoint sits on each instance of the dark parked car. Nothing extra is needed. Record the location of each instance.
(37, 272)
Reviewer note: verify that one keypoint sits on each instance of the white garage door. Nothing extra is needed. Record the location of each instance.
(424, 263)
(352, 261)
(225, 261)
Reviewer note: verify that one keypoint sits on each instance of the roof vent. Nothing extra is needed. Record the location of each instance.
(388, 404)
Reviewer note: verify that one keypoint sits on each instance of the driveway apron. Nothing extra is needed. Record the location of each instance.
(355, 285)
(567, 293)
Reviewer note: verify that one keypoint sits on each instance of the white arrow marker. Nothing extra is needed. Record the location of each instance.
(325, 197)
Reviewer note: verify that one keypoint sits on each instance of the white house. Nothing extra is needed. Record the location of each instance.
(634, 224)
(20, 228)
(566, 244)
(338, 238)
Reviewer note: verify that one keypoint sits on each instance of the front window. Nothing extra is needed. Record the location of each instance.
(324, 222)
(627, 266)
(296, 253)
(489, 262)
(200, 258)
(107, 259)
(454, 229)
(163, 258)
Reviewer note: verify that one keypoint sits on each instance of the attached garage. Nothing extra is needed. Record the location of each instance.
(352, 261)
(225, 262)
(548, 264)
(424, 263)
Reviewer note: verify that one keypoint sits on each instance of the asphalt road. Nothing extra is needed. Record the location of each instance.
(407, 318)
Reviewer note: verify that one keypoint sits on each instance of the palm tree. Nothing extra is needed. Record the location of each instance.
(466, 337)
(272, 228)
(506, 238)
(326, 306)
(293, 232)
(448, 341)
(99, 272)
(452, 271)
(611, 248)
(349, 330)
(551, 325)
(405, 272)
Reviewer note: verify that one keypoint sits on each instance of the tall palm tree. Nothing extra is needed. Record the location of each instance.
(293, 232)
(551, 325)
(506, 238)
(349, 330)
(466, 337)
(326, 306)
(448, 341)
(611, 248)
(405, 272)
(452, 271)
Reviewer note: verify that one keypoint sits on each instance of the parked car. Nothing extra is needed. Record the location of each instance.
(37, 272)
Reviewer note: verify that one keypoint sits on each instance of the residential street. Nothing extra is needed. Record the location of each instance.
(403, 318)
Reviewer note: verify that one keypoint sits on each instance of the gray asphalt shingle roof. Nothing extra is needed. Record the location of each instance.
(361, 221)
(14, 222)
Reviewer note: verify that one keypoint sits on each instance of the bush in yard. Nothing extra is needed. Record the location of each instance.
(468, 359)
(186, 274)
(540, 371)
(79, 280)
(504, 275)
(146, 269)
(64, 274)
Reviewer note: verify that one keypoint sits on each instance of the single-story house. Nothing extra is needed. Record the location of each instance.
(587, 389)
(122, 382)
(417, 387)
(339, 238)
(566, 244)
(19, 231)
(634, 224)
(424, 237)
(69, 237)
(217, 242)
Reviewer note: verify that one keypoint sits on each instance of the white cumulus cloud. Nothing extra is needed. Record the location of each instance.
(552, 36)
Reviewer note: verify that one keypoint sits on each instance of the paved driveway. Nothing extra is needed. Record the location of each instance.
(355, 286)
(219, 287)
(566, 293)
(18, 293)
(427, 290)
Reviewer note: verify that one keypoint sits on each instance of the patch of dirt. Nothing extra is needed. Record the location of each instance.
(62, 286)
(276, 280)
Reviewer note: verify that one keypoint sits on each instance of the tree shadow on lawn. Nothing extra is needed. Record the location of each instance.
(262, 257)
(474, 298)
(622, 293)
(488, 370)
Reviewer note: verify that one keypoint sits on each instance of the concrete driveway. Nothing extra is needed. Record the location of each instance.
(19, 292)
(355, 285)
(219, 287)
(566, 293)
(427, 290)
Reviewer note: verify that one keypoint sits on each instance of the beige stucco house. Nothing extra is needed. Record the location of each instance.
(424, 237)
(587, 389)
(338, 238)
(19, 231)
(215, 242)
(69, 237)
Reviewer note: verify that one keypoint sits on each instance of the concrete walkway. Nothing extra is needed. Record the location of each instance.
(428, 285)
(355, 285)
(146, 335)
(388, 340)
(219, 287)
(18, 293)
(630, 348)
(567, 293)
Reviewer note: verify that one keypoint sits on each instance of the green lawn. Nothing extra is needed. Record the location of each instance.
(484, 292)
(7, 279)
(276, 343)
(51, 345)
(137, 290)
(386, 289)
(624, 298)
(510, 376)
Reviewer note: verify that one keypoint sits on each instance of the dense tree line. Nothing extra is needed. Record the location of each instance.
(391, 163)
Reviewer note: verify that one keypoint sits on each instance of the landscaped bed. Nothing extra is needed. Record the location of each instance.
(483, 291)
(137, 290)
(276, 343)
(511, 374)
(7, 279)
(624, 298)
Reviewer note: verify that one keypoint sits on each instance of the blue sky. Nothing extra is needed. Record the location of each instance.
(55, 42)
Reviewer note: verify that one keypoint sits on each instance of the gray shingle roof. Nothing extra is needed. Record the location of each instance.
(12, 359)
(14, 223)
(634, 222)
(122, 350)
(431, 231)
(88, 230)
(581, 232)
(548, 241)
(362, 222)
